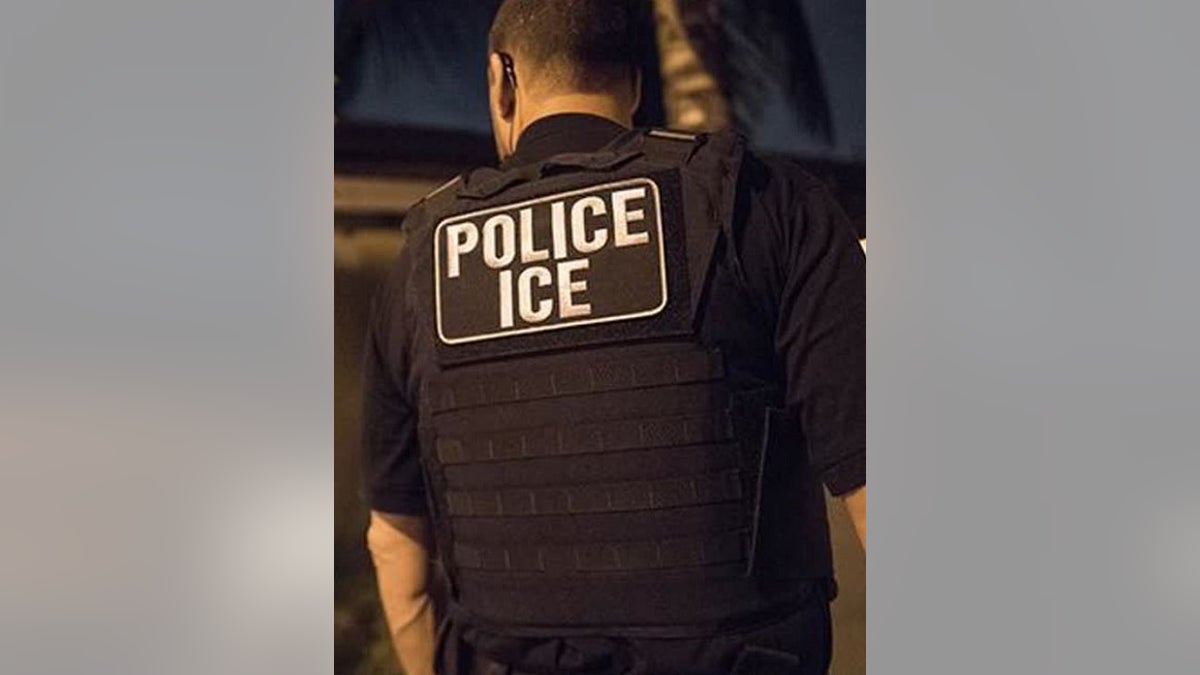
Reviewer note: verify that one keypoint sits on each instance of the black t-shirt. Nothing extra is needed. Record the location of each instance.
(806, 279)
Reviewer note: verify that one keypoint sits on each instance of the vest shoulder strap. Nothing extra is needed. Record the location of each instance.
(669, 147)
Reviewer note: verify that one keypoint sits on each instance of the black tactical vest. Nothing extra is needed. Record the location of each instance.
(595, 463)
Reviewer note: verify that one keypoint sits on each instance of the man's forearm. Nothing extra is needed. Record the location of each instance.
(398, 547)
(856, 506)
(412, 630)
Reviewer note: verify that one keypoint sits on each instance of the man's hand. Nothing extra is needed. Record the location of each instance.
(856, 506)
(399, 546)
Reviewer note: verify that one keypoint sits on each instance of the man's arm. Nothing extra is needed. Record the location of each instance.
(399, 546)
(856, 506)
(822, 332)
(398, 536)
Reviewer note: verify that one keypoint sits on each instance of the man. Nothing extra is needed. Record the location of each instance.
(604, 383)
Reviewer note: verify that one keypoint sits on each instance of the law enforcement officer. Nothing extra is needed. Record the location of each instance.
(605, 383)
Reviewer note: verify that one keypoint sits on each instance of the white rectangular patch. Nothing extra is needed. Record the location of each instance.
(576, 258)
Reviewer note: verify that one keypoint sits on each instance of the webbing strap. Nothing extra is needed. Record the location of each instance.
(688, 521)
(599, 498)
(557, 441)
(577, 378)
(591, 469)
(674, 552)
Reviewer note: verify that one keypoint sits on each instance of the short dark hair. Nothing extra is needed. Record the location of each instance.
(586, 44)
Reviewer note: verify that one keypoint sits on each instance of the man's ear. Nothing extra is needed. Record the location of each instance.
(503, 98)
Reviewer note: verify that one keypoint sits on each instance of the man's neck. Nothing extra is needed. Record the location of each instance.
(599, 105)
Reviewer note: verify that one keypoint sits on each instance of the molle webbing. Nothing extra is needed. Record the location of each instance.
(591, 472)
(665, 553)
(578, 378)
(578, 439)
(664, 493)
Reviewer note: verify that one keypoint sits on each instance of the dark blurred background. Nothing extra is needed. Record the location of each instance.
(410, 100)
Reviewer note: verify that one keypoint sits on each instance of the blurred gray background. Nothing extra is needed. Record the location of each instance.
(166, 298)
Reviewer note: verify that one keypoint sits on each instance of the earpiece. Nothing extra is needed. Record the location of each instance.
(510, 73)
(509, 95)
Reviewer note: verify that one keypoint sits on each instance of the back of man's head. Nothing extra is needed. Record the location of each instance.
(582, 45)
